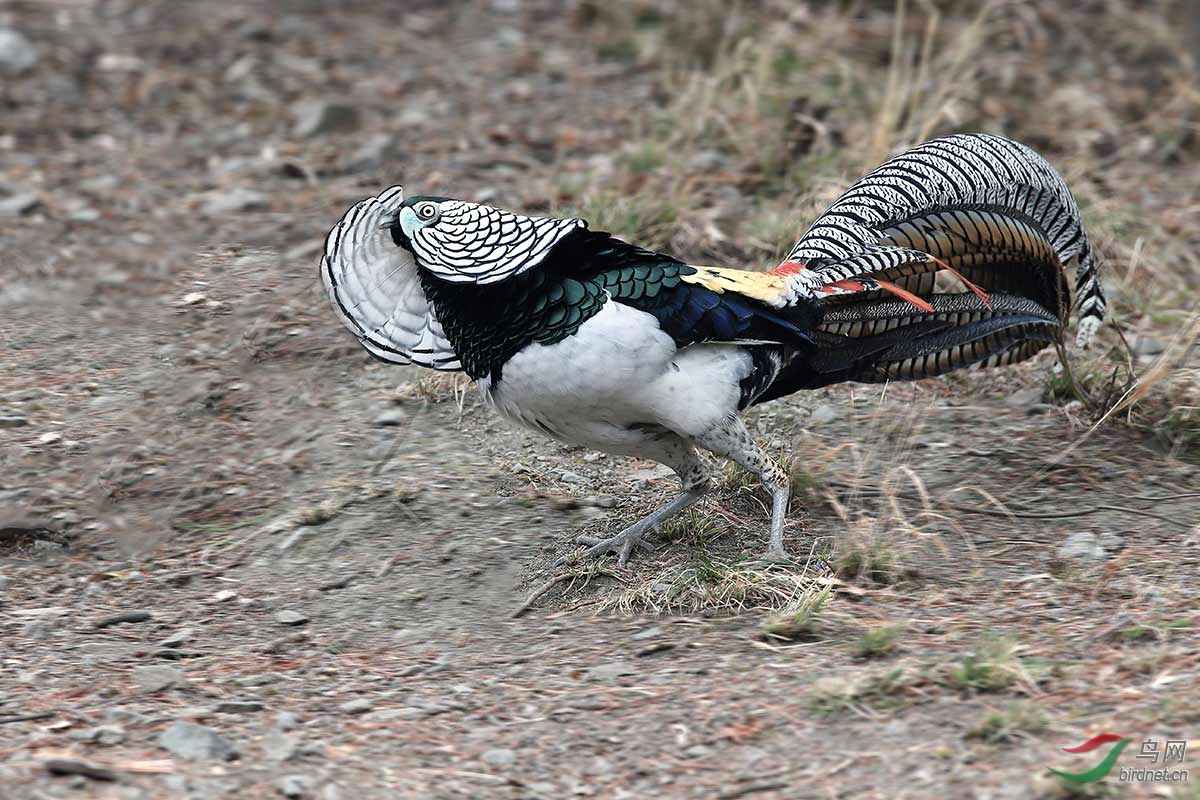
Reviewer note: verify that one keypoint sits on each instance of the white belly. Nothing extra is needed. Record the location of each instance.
(616, 375)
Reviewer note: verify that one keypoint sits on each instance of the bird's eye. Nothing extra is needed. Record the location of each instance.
(427, 211)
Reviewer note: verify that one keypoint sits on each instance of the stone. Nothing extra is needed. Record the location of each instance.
(238, 707)
(1082, 544)
(233, 200)
(499, 758)
(279, 746)
(157, 678)
(181, 636)
(390, 419)
(13, 422)
(122, 617)
(1024, 398)
(610, 671)
(1145, 345)
(107, 735)
(76, 766)
(289, 617)
(293, 785)
(196, 742)
(17, 54)
(318, 117)
(823, 415)
(359, 705)
(18, 204)
(286, 721)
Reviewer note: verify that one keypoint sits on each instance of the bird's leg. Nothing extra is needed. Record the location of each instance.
(733, 441)
(694, 477)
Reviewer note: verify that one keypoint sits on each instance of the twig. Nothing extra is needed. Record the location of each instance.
(541, 590)
(27, 717)
(1064, 514)
(754, 788)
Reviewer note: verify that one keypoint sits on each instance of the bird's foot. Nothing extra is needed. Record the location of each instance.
(623, 544)
(776, 555)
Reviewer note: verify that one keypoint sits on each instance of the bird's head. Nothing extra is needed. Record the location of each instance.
(461, 242)
(415, 214)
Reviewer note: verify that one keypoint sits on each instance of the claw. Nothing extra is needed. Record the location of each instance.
(623, 544)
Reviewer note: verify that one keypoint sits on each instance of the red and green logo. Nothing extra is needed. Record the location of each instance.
(1104, 767)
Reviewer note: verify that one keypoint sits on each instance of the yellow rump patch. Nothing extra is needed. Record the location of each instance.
(761, 286)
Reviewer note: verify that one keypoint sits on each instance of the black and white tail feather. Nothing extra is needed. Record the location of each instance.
(957, 197)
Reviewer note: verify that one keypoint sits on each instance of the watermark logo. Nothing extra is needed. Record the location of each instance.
(1173, 750)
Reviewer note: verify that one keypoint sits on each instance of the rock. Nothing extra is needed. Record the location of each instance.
(1148, 346)
(823, 415)
(224, 595)
(293, 785)
(359, 705)
(238, 707)
(499, 758)
(567, 476)
(285, 721)
(75, 766)
(610, 671)
(318, 117)
(157, 678)
(106, 651)
(17, 54)
(647, 633)
(13, 422)
(278, 746)
(100, 185)
(232, 200)
(651, 474)
(18, 204)
(181, 636)
(1082, 545)
(196, 742)
(140, 615)
(389, 419)
(1024, 398)
(289, 617)
(107, 735)
(395, 714)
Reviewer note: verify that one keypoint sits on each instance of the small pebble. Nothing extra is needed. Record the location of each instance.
(359, 705)
(196, 742)
(75, 766)
(157, 678)
(238, 707)
(293, 785)
(139, 615)
(499, 758)
(290, 617)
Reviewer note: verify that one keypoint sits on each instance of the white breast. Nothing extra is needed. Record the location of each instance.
(617, 374)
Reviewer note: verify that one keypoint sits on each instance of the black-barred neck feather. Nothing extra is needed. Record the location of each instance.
(489, 323)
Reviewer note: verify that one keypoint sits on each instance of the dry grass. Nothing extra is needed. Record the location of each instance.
(700, 582)
(1014, 721)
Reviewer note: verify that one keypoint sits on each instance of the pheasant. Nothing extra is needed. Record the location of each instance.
(951, 254)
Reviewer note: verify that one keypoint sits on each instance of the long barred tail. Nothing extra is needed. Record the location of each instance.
(917, 201)
(950, 255)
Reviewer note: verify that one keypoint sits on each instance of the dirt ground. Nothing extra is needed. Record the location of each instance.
(240, 559)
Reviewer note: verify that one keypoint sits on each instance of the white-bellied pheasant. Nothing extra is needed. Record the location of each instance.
(604, 344)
